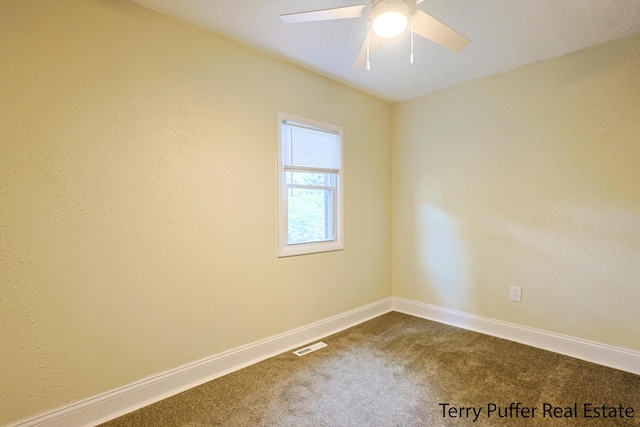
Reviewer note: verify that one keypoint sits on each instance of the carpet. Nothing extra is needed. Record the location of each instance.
(399, 370)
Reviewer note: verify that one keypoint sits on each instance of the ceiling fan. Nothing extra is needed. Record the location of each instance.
(387, 19)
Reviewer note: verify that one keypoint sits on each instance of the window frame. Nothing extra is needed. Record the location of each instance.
(286, 249)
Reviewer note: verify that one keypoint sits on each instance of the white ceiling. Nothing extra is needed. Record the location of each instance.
(504, 34)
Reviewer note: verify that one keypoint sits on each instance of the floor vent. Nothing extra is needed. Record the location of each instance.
(312, 347)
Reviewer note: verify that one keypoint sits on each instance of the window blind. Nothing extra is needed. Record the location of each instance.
(307, 148)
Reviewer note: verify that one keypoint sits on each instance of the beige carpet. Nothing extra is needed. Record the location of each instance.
(398, 370)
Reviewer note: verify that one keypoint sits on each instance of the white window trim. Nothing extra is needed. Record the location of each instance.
(285, 249)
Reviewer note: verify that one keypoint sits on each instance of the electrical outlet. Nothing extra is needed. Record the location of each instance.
(515, 293)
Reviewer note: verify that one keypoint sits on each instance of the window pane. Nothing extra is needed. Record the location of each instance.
(310, 215)
(309, 186)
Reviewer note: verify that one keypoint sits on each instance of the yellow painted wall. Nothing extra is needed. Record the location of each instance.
(529, 178)
(138, 184)
(138, 199)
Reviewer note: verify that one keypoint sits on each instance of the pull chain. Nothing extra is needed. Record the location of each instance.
(411, 55)
(368, 42)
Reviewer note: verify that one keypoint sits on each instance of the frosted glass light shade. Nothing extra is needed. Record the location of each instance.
(389, 25)
(390, 18)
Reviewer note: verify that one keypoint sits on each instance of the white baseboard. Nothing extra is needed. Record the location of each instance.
(602, 354)
(115, 403)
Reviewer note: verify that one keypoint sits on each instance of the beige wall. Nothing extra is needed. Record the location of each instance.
(138, 212)
(530, 178)
(138, 199)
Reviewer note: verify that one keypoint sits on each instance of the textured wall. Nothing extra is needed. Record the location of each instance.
(138, 199)
(529, 178)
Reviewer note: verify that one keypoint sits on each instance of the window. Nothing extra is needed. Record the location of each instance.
(309, 186)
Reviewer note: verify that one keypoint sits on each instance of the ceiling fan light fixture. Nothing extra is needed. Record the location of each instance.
(389, 18)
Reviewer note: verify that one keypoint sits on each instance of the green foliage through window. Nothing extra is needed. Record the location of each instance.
(311, 197)
(310, 186)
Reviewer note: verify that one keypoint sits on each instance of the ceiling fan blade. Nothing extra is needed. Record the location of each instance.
(430, 28)
(361, 61)
(325, 14)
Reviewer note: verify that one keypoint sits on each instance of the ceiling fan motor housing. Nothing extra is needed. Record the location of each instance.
(389, 18)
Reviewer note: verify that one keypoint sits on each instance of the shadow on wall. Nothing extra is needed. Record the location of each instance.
(442, 253)
(578, 264)
(602, 245)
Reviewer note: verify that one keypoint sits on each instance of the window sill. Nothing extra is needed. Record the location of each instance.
(309, 248)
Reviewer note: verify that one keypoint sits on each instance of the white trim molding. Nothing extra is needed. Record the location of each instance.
(329, 163)
(110, 405)
(602, 354)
